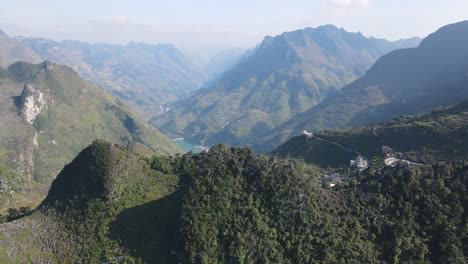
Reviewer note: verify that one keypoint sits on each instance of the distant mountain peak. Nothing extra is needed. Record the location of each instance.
(449, 35)
(328, 26)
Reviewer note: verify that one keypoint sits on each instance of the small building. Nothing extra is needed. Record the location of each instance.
(330, 180)
(307, 134)
(360, 163)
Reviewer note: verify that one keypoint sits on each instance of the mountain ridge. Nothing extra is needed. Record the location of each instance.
(146, 76)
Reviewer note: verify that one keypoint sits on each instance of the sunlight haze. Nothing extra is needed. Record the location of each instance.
(207, 23)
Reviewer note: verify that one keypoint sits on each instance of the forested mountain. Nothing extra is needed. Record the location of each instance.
(408, 81)
(285, 75)
(12, 51)
(437, 136)
(231, 206)
(48, 114)
(145, 76)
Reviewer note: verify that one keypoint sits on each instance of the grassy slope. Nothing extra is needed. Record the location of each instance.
(436, 136)
(77, 113)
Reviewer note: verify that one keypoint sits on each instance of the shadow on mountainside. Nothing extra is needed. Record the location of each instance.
(148, 231)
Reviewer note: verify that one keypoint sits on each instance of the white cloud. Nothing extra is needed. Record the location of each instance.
(348, 3)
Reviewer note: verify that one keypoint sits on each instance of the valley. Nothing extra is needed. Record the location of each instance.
(284, 76)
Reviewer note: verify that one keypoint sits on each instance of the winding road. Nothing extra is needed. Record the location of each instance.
(392, 162)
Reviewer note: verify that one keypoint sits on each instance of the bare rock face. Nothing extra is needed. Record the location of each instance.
(32, 102)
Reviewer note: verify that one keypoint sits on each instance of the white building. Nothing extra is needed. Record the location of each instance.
(307, 134)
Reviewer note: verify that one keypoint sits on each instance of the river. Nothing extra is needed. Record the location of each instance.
(186, 146)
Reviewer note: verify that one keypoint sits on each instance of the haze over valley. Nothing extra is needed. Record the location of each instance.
(324, 131)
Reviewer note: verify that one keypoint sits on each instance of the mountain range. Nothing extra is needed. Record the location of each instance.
(86, 181)
(48, 115)
(406, 81)
(145, 76)
(284, 76)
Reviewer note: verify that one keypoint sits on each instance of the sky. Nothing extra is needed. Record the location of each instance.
(210, 24)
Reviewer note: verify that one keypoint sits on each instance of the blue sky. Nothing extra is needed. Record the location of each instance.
(210, 23)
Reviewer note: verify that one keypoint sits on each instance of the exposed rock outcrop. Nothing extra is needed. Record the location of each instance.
(32, 102)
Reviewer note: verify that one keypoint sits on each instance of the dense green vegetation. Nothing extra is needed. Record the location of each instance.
(71, 114)
(285, 75)
(232, 206)
(421, 213)
(437, 136)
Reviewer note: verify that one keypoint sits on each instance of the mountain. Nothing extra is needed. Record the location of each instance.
(437, 136)
(48, 115)
(229, 205)
(104, 187)
(12, 51)
(408, 81)
(285, 75)
(145, 76)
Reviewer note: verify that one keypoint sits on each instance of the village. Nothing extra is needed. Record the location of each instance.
(360, 163)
